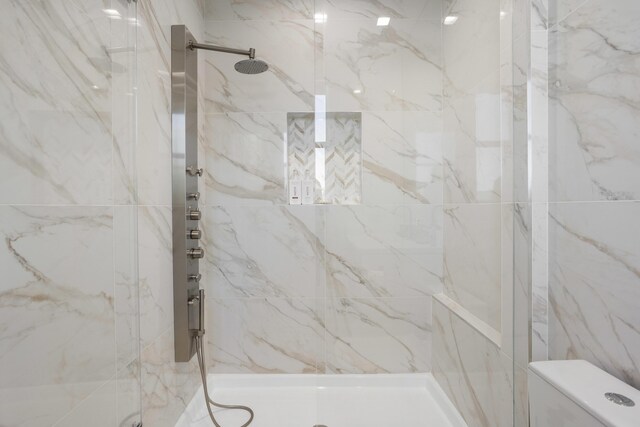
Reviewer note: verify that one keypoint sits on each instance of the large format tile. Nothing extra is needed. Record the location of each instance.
(153, 151)
(472, 143)
(124, 66)
(245, 159)
(397, 67)
(394, 9)
(384, 251)
(560, 9)
(233, 10)
(57, 336)
(594, 115)
(472, 255)
(265, 251)
(153, 49)
(539, 281)
(126, 299)
(55, 103)
(522, 302)
(402, 157)
(475, 374)
(128, 385)
(594, 274)
(266, 335)
(378, 335)
(472, 43)
(100, 407)
(288, 47)
(167, 386)
(155, 272)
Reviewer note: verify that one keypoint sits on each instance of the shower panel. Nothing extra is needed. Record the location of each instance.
(188, 298)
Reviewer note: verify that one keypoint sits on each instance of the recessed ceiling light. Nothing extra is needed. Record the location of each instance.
(320, 18)
(357, 91)
(383, 21)
(450, 20)
(503, 14)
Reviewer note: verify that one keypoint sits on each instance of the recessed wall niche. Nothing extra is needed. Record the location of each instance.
(324, 154)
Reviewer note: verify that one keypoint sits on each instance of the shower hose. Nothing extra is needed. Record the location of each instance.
(208, 400)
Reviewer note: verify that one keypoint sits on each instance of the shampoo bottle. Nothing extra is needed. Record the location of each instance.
(295, 189)
(308, 188)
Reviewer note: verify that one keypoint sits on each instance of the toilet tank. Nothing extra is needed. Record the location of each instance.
(571, 393)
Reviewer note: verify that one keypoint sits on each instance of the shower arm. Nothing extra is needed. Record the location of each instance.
(251, 53)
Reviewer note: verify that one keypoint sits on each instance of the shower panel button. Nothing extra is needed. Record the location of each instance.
(197, 253)
(195, 234)
(195, 277)
(193, 196)
(194, 171)
(194, 215)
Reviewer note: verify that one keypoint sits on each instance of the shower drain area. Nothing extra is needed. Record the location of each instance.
(326, 401)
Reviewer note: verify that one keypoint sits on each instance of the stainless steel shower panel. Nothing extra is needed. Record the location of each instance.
(187, 316)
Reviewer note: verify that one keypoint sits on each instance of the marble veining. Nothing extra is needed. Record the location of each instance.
(126, 296)
(384, 251)
(473, 143)
(373, 68)
(155, 271)
(266, 335)
(594, 273)
(473, 43)
(57, 290)
(363, 9)
(378, 335)
(244, 156)
(229, 10)
(286, 86)
(59, 109)
(472, 259)
(167, 386)
(402, 157)
(265, 251)
(594, 103)
(474, 373)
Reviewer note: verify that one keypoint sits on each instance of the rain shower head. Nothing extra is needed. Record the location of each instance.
(251, 66)
(247, 66)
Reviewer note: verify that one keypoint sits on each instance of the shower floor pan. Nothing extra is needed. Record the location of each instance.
(413, 400)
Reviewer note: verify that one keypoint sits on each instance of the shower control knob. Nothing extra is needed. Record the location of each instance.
(195, 234)
(194, 171)
(196, 253)
(195, 277)
(193, 196)
(194, 215)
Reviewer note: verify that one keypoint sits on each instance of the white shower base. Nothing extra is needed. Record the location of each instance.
(413, 400)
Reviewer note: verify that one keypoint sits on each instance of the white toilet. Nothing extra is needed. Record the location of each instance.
(573, 393)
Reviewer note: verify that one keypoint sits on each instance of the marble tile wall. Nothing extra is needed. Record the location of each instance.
(476, 155)
(476, 375)
(166, 386)
(594, 185)
(481, 322)
(69, 346)
(324, 288)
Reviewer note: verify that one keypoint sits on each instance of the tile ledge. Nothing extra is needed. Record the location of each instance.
(471, 319)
